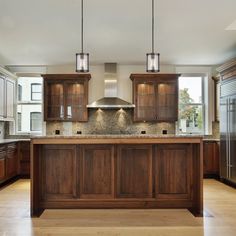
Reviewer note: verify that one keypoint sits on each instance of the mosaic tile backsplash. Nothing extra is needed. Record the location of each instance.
(109, 122)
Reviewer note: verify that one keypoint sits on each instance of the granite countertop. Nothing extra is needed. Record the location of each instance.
(4, 141)
(100, 136)
(211, 139)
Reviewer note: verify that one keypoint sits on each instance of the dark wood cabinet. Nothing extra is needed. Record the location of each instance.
(66, 97)
(12, 160)
(134, 171)
(97, 171)
(173, 171)
(155, 97)
(211, 158)
(59, 172)
(3, 156)
(24, 158)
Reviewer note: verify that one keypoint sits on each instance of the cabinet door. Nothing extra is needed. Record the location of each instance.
(10, 98)
(2, 163)
(24, 157)
(97, 171)
(58, 172)
(211, 158)
(173, 171)
(134, 171)
(53, 101)
(76, 101)
(167, 101)
(145, 101)
(2, 98)
(12, 160)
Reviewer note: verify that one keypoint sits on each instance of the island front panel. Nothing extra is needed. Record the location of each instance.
(116, 176)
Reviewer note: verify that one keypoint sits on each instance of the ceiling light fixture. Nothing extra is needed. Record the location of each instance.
(82, 59)
(153, 59)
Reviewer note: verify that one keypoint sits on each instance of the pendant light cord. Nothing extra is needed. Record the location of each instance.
(82, 26)
(152, 26)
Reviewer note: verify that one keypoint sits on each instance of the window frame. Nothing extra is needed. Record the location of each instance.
(31, 123)
(19, 92)
(28, 102)
(31, 86)
(202, 104)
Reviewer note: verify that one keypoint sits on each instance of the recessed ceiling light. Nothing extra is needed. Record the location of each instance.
(232, 26)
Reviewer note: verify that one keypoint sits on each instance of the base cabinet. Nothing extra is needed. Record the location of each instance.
(211, 158)
(12, 161)
(3, 156)
(116, 176)
(59, 172)
(24, 158)
(96, 171)
(134, 171)
(173, 171)
(9, 162)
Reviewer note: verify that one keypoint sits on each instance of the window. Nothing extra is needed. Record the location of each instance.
(35, 121)
(29, 107)
(19, 92)
(36, 92)
(191, 105)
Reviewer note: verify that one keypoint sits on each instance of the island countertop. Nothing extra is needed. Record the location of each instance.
(115, 139)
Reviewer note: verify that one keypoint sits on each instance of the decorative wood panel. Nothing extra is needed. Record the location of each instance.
(134, 171)
(97, 171)
(173, 171)
(59, 172)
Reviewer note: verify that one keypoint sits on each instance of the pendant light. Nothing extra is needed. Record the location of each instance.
(82, 59)
(153, 59)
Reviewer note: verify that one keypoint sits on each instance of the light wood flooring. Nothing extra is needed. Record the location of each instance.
(219, 220)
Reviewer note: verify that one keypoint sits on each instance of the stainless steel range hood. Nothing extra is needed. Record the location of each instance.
(110, 99)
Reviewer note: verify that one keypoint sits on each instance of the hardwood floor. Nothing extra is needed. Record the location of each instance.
(219, 205)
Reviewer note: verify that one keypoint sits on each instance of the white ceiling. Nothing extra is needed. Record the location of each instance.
(47, 32)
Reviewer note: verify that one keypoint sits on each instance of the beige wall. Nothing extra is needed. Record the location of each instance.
(96, 84)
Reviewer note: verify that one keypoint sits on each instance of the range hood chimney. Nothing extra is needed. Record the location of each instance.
(110, 99)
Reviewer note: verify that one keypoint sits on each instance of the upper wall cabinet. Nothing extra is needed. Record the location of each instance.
(7, 96)
(66, 97)
(155, 97)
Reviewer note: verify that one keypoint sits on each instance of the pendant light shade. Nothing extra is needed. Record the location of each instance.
(153, 62)
(82, 62)
(82, 59)
(153, 59)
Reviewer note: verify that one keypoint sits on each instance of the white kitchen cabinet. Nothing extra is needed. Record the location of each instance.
(7, 96)
(2, 97)
(10, 98)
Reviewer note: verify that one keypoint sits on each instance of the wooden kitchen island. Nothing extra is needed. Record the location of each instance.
(116, 171)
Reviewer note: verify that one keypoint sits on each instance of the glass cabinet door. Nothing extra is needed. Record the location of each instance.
(55, 101)
(145, 109)
(75, 101)
(167, 109)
